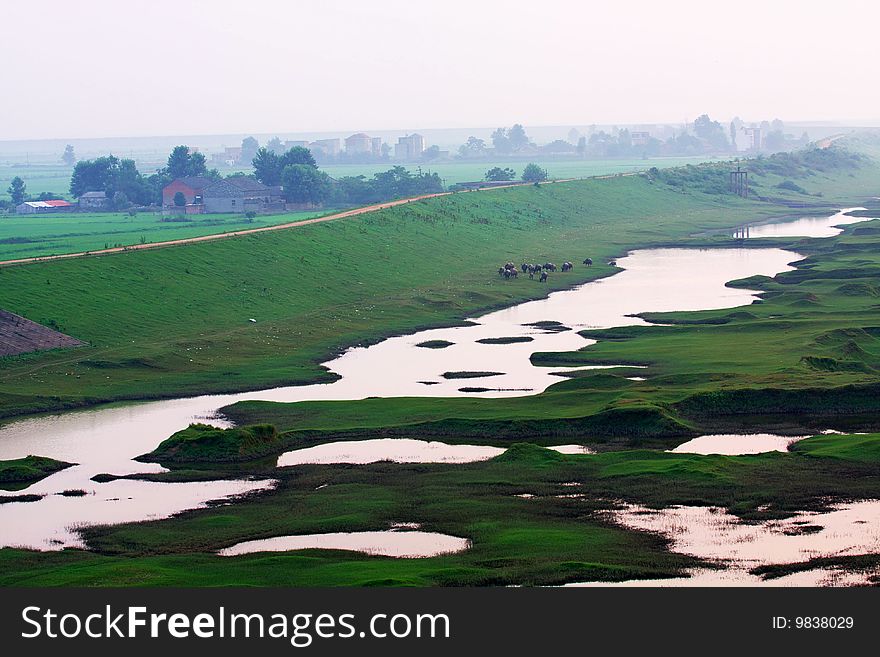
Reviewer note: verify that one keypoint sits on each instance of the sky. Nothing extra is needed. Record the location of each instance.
(104, 68)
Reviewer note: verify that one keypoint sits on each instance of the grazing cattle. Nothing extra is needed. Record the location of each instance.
(549, 266)
(588, 262)
(567, 266)
(531, 273)
(501, 271)
(524, 268)
(543, 276)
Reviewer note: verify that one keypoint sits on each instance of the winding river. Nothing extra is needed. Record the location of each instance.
(106, 439)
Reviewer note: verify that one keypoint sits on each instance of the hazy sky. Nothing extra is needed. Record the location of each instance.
(93, 68)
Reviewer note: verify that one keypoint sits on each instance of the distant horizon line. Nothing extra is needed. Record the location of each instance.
(841, 123)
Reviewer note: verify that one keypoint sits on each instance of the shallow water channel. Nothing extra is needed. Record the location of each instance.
(106, 439)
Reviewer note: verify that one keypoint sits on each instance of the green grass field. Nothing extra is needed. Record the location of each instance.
(27, 236)
(174, 321)
(54, 178)
(804, 359)
(550, 538)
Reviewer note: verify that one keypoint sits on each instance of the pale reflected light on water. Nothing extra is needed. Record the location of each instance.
(391, 543)
(105, 440)
(807, 226)
(736, 547)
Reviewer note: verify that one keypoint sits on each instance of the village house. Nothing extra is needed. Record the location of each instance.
(43, 207)
(94, 201)
(235, 194)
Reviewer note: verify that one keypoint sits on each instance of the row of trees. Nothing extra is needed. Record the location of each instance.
(126, 186)
(703, 136)
(532, 173)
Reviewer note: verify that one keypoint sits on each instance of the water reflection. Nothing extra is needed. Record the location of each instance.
(401, 544)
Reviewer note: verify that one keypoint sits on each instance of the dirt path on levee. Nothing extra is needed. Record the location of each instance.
(293, 224)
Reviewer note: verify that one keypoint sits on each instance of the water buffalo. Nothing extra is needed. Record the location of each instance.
(549, 266)
(588, 262)
(543, 276)
(566, 266)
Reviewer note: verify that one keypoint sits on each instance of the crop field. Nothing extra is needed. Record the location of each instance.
(27, 236)
(56, 178)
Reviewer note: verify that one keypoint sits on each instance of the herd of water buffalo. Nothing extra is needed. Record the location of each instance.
(509, 270)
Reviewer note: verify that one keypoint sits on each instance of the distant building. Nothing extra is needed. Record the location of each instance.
(328, 146)
(235, 194)
(358, 143)
(94, 201)
(409, 147)
(318, 147)
(43, 207)
(640, 138)
(376, 146)
(230, 156)
(748, 138)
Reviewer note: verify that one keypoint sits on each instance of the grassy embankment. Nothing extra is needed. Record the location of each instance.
(175, 321)
(558, 535)
(807, 357)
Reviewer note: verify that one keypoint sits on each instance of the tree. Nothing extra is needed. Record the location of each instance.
(473, 147)
(110, 175)
(431, 153)
(269, 166)
(500, 141)
(69, 157)
(275, 145)
(497, 174)
(299, 155)
(710, 132)
(574, 136)
(17, 191)
(534, 174)
(558, 146)
(305, 184)
(582, 146)
(249, 147)
(120, 201)
(183, 163)
(517, 138)
(774, 141)
(179, 199)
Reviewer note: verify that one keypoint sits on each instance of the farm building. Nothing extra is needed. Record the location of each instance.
(192, 188)
(40, 207)
(94, 201)
(235, 194)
